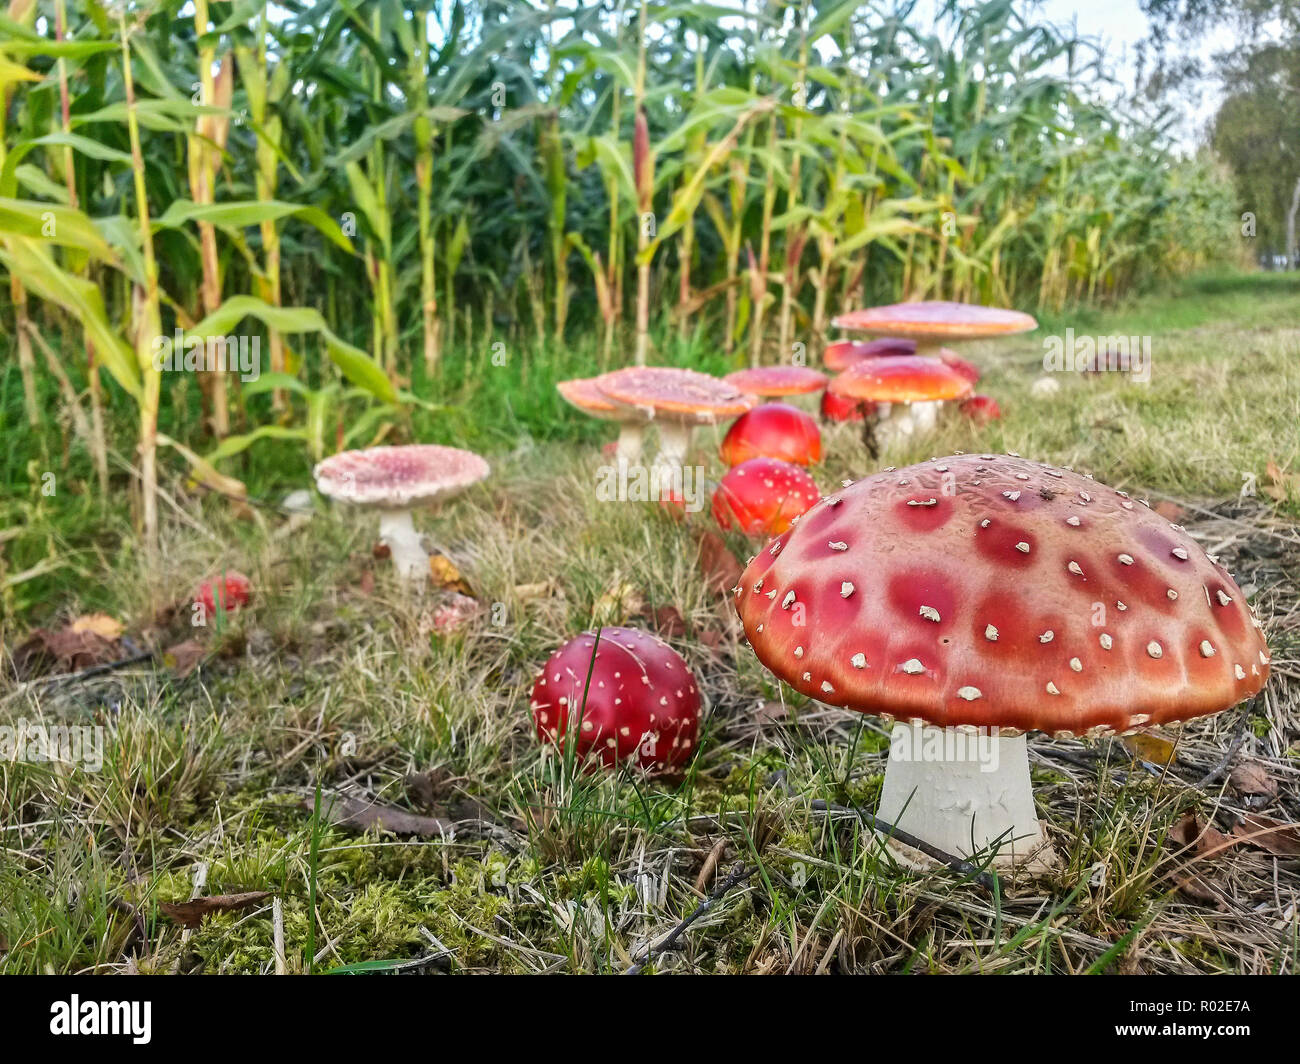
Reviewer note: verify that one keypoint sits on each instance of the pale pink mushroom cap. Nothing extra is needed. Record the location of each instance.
(999, 592)
(398, 477)
(936, 321)
(583, 394)
(777, 380)
(675, 394)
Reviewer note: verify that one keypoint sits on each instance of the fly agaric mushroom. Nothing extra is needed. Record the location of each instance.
(676, 400)
(933, 322)
(773, 430)
(1027, 598)
(584, 395)
(840, 408)
(641, 702)
(393, 480)
(954, 361)
(840, 355)
(920, 382)
(981, 409)
(763, 496)
(232, 590)
(778, 381)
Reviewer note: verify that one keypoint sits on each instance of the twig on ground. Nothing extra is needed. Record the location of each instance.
(957, 864)
(738, 874)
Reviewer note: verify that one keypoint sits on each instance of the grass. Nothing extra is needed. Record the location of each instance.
(335, 680)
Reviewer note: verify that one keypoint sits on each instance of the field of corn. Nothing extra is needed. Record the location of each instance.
(424, 216)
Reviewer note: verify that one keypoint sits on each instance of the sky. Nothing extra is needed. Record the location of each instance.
(1121, 25)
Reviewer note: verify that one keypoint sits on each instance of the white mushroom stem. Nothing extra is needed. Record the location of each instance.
(674, 442)
(892, 425)
(925, 415)
(628, 448)
(961, 790)
(397, 531)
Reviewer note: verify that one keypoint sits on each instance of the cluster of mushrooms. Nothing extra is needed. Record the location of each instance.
(966, 600)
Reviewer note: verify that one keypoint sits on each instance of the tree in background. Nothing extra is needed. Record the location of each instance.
(1256, 129)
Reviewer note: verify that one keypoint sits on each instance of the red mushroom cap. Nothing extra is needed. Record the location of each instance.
(937, 321)
(777, 380)
(900, 379)
(842, 354)
(763, 496)
(231, 590)
(398, 477)
(842, 408)
(981, 409)
(999, 592)
(954, 361)
(642, 703)
(773, 430)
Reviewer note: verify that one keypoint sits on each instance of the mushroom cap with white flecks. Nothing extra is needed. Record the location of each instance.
(932, 320)
(669, 394)
(900, 379)
(999, 592)
(642, 702)
(398, 477)
(583, 394)
(776, 380)
(763, 496)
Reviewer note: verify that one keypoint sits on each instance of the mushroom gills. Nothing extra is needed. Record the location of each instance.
(962, 791)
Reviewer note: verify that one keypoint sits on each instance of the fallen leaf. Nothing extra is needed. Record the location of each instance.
(367, 582)
(63, 648)
(1198, 889)
(1205, 839)
(1251, 777)
(100, 623)
(1282, 485)
(620, 602)
(446, 577)
(720, 567)
(1151, 748)
(358, 815)
(184, 658)
(1170, 511)
(669, 622)
(191, 913)
(711, 638)
(524, 592)
(1275, 837)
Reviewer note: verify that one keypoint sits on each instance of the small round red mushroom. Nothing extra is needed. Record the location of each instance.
(774, 430)
(845, 408)
(981, 409)
(763, 496)
(641, 705)
(231, 590)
